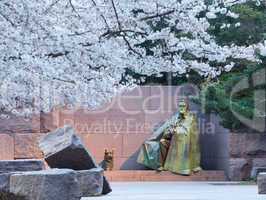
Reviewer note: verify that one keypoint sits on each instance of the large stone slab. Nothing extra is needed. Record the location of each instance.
(256, 171)
(62, 148)
(4, 188)
(106, 186)
(247, 145)
(4, 182)
(26, 146)
(258, 166)
(20, 165)
(9, 196)
(6, 147)
(238, 169)
(91, 182)
(16, 124)
(262, 183)
(53, 184)
(256, 145)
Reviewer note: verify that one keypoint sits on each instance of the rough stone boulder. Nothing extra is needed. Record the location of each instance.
(4, 182)
(62, 148)
(106, 186)
(247, 153)
(262, 183)
(247, 145)
(4, 188)
(239, 169)
(258, 166)
(20, 165)
(53, 184)
(9, 196)
(90, 182)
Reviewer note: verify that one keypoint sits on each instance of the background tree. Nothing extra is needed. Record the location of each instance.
(82, 52)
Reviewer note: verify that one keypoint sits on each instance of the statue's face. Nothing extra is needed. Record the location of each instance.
(182, 107)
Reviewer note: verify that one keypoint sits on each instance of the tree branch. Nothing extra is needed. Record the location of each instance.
(79, 33)
(50, 77)
(55, 55)
(73, 8)
(7, 19)
(130, 47)
(109, 32)
(158, 15)
(52, 5)
(121, 30)
(102, 16)
(116, 15)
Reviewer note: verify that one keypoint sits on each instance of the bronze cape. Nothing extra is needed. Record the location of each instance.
(173, 147)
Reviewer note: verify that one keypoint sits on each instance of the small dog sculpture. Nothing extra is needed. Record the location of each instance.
(108, 162)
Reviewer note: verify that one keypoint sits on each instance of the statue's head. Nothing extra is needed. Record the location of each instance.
(183, 107)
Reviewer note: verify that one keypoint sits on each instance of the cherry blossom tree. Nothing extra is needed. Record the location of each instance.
(76, 52)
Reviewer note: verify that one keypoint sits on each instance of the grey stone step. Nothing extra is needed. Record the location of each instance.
(21, 165)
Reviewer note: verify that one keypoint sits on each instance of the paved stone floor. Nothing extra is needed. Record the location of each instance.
(181, 191)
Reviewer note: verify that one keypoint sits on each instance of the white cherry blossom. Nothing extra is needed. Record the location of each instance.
(76, 52)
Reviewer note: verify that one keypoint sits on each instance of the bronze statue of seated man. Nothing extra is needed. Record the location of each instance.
(175, 145)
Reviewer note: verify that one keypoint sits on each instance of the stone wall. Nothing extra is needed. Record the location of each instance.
(247, 153)
(122, 125)
(126, 122)
(6, 147)
(19, 137)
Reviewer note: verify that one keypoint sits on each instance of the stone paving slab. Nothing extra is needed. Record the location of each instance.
(7, 166)
(181, 191)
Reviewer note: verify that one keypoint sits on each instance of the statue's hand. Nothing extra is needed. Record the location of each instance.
(180, 130)
(162, 140)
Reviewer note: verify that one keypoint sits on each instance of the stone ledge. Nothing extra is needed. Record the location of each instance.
(262, 183)
(21, 165)
(149, 175)
(46, 185)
